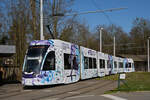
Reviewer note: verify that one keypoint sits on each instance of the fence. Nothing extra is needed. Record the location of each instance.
(10, 74)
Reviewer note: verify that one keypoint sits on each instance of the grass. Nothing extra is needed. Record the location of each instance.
(136, 81)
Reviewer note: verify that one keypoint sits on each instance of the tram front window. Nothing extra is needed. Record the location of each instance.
(34, 58)
(32, 66)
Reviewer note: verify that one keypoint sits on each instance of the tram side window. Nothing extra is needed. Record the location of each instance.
(101, 63)
(120, 65)
(86, 60)
(132, 65)
(94, 63)
(109, 64)
(126, 65)
(67, 61)
(115, 64)
(90, 63)
(75, 64)
(129, 65)
(49, 63)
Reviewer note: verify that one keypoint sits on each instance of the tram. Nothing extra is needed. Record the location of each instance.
(49, 62)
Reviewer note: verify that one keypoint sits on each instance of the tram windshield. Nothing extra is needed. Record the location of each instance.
(34, 58)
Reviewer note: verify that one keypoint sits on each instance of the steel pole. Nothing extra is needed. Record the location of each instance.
(114, 47)
(100, 42)
(41, 20)
(148, 54)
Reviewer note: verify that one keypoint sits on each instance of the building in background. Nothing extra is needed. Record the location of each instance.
(8, 68)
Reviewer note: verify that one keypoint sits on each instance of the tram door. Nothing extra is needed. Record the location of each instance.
(52, 69)
(71, 71)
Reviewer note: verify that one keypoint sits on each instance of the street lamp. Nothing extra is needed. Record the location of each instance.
(148, 53)
(114, 47)
(100, 38)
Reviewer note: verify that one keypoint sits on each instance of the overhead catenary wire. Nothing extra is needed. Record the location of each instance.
(98, 7)
(87, 12)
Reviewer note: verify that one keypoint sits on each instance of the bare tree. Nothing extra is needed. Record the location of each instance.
(51, 9)
(34, 22)
(139, 35)
(19, 16)
(108, 34)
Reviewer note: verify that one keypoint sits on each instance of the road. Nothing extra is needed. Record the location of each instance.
(85, 90)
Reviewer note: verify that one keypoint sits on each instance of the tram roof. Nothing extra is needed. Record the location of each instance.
(49, 42)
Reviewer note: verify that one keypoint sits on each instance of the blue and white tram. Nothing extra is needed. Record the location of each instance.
(101, 64)
(51, 62)
(88, 63)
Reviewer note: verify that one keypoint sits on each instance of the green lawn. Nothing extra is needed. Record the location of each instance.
(136, 81)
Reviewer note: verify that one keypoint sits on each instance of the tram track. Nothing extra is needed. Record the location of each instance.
(88, 90)
(73, 92)
(77, 91)
(22, 91)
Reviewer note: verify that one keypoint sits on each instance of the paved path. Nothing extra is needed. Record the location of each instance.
(10, 88)
(145, 95)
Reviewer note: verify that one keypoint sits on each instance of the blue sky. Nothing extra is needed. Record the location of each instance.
(123, 18)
